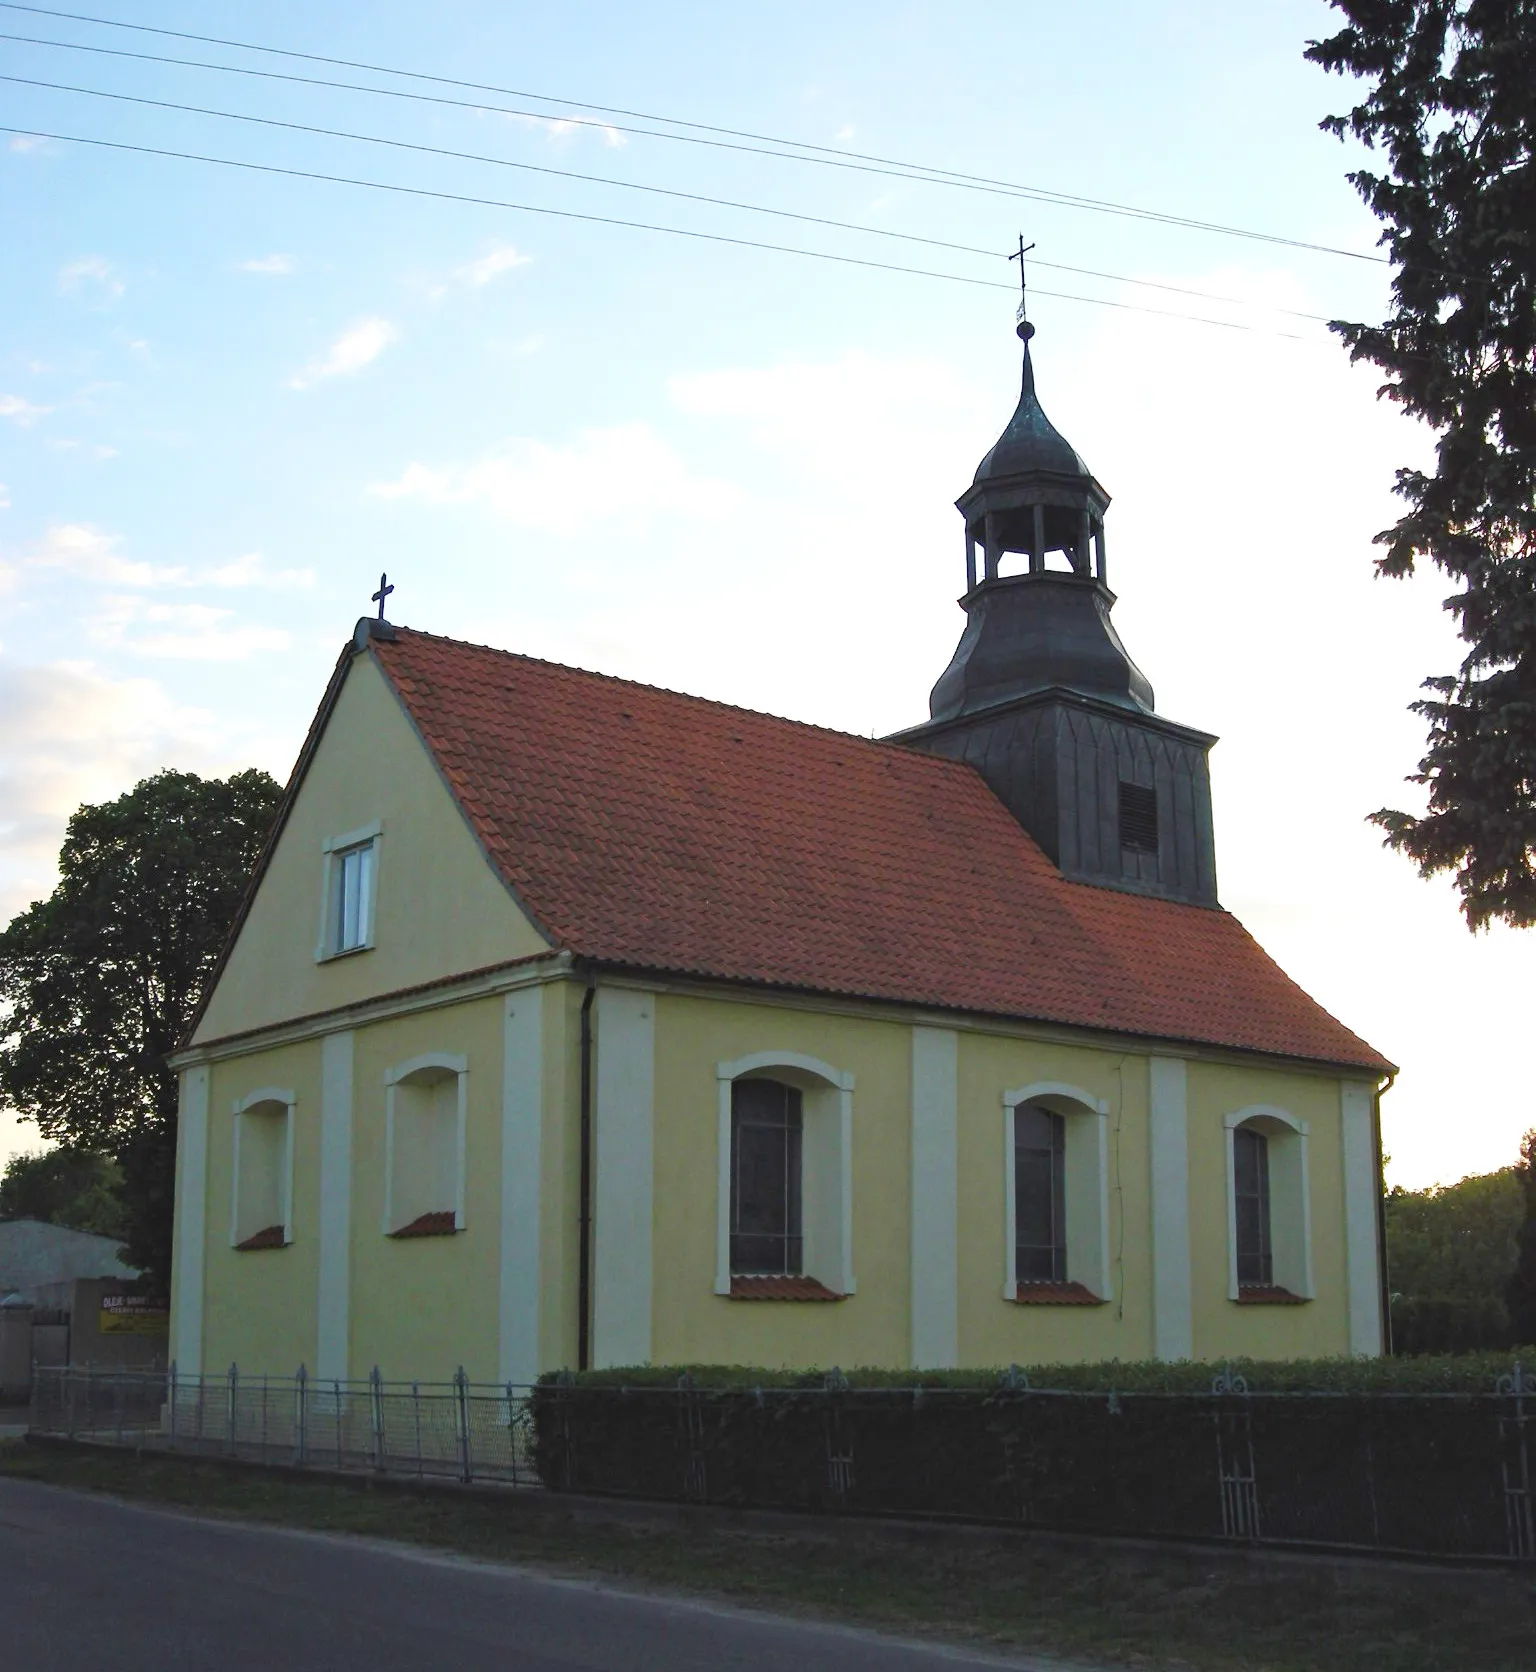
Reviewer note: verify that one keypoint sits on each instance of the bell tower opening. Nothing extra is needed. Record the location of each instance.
(1041, 695)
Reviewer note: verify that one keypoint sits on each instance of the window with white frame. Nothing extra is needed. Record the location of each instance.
(785, 1208)
(261, 1210)
(349, 893)
(425, 1105)
(1056, 1195)
(1269, 1216)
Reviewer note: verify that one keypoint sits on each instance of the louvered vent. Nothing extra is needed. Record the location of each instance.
(1138, 818)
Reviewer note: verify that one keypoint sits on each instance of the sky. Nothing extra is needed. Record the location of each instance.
(230, 399)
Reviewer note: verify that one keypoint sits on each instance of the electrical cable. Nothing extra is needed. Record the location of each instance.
(641, 226)
(630, 185)
(827, 156)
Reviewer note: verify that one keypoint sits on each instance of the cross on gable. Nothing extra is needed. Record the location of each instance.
(384, 591)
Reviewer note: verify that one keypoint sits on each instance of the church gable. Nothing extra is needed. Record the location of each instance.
(375, 884)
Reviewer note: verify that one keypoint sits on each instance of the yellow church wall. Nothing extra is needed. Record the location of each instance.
(692, 1324)
(1224, 1327)
(259, 1306)
(422, 1306)
(996, 1331)
(440, 910)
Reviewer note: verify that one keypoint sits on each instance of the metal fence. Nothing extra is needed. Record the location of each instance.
(458, 1429)
(1445, 1474)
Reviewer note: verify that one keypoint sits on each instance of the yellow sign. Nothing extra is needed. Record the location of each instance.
(132, 1315)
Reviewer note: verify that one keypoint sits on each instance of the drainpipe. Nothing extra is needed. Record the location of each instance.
(584, 1209)
(1381, 1216)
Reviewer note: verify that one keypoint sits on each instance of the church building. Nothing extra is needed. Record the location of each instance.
(572, 1022)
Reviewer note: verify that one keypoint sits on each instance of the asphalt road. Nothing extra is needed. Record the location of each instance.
(87, 1583)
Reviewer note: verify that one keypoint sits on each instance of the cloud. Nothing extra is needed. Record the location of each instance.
(844, 132)
(500, 260)
(72, 736)
(21, 411)
(623, 473)
(560, 127)
(96, 269)
(27, 142)
(358, 346)
(279, 265)
(85, 551)
(5, 497)
(251, 570)
(180, 632)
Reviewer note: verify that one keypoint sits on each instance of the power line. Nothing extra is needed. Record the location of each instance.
(640, 226)
(826, 156)
(630, 185)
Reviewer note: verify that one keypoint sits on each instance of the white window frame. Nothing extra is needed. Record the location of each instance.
(1290, 1222)
(266, 1095)
(449, 1063)
(331, 850)
(1087, 1154)
(826, 1144)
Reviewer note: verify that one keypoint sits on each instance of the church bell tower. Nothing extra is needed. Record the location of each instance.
(1041, 695)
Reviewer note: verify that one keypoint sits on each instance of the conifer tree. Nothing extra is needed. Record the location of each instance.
(1449, 106)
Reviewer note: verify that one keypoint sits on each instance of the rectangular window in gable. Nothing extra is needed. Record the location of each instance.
(351, 886)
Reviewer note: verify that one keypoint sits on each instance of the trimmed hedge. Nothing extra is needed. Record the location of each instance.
(1143, 1449)
(1445, 1373)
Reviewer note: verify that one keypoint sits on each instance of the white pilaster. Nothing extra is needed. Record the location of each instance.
(191, 1224)
(935, 1199)
(624, 1186)
(332, 1307)
(1361, 1248)
(1168, 1138)
(522, 1117)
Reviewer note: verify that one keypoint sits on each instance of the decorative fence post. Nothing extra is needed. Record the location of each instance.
(461, 1409)
(839, 1446)
(512, 1432)
(691, 1435)
(171, 1423)
(376, 1406)
(336, 1390)
(1515, 1460)
(416, 1411)
(232, 1408)
(301, 1417)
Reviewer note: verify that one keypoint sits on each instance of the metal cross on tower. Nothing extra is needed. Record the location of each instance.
(385, 588)
(1018, 256)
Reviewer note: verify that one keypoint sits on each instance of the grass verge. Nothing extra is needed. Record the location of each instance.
(1210, 1611)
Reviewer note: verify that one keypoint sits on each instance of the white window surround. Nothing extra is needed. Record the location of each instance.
(430, 1066)
(1087, 1183)
(325, 949)
(1290, 1196)
(268, 1097)
(826, 1161)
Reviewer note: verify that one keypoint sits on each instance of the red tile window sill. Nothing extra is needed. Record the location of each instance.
(1055, 1294)
(1268, 1295)
(781, 1288)
(428, 1225)
(272, 1237)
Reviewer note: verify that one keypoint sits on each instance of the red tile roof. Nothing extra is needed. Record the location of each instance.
(645, 828)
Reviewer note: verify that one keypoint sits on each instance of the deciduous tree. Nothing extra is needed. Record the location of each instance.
(1449, 107)
(101, 979)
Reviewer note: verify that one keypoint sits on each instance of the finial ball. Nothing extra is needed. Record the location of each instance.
(1025, 330)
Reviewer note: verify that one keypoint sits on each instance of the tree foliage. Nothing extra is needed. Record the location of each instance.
(1521, 1294)
(101, 979)
(75, 1188)
(1450, 107)
(1450, 1251)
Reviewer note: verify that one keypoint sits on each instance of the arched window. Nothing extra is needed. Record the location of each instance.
(1057, 1194)
(784, 1216)
(1040, 1177)
(424, 1132)
(1269, 1213)
(1250, 1191)
(767, 1127)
